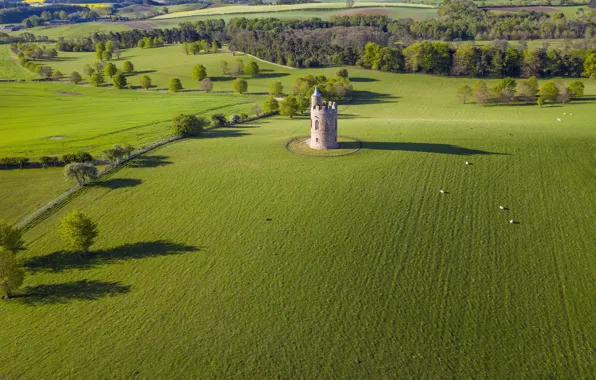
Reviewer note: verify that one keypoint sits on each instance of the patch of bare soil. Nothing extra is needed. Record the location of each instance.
(56, 137)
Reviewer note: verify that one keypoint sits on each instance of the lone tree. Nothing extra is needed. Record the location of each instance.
(145, 82)
(75, 77)
(206, 85)
(96, 79)
(240, 85)
(128, 67)
(175, 85)
(252, 69)
(549, 91)
(188, 125)
(11, 238)
(289, 107)
(276, 89)
(88, 70)
(225, 67)
(464, 92)
(12, 274)
(199, 72)
(576, 88)
(119, 81)
(256, 109)
(82, 172)
(78, 231)
(271, 104)
(110, 69)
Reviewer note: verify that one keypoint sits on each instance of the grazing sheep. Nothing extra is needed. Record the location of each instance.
(558, 119)
(564, 113)
(570, 114)
(502, 208)
(467, 163)
(512, 221)
(442, 191)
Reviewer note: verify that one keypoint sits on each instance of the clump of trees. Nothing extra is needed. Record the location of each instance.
(12, 274)
(118, 153)
(148, 42)
(81, 172)
(508, 91)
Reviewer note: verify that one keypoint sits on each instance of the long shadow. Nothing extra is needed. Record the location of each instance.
(350, 116)
(142, 72)
(369, 97)
(272, 75)
(221, 132)
(426, 147)
(118, 183)
(70, 291)
(221, 79)
(65, 260)
(150, 162)
(363, 80)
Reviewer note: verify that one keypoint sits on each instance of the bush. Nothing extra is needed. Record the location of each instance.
(119, 81)
(175, 85)
(46, 161)
(77, 157)
(244, 116)
(218, 120)
(188, 125)
(235, 119)
(19, 162)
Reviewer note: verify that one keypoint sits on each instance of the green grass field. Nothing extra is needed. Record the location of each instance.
(9, 67)
(229, 256)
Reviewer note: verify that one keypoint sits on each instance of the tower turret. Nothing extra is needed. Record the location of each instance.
(323, 120)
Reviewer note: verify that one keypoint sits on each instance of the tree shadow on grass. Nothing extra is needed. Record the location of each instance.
(66, 260)
(422, 147)
(223, 132)
(150, 162)
(118, 183)
(221, 79)
(70, 291)
(363, 80)
(369, 97)
(272, 75)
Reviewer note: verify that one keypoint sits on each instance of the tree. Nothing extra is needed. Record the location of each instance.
(464, 92)
(564, 95)
(188, 125)
(110, 69)
(528, 89)
(57, 75)
(505, 89)
(88, 70)
(257, 109)
(99, 49)
(119, 81)
(80, 171)
(576, 89)
(549, 91)
(343, 73)
(349, 3)
(78, 231)
(128, 67)
(540, 102)
(106, 55)
(45, 71)
(252, 69)
(271, 104)
(145, 82)
(225, 67)
(240, 85)
(175, 85)
(214, 47)
(289, 107)
(96, 79)
(11, 238)
(115, 154)
(234, 119)
(199, 72)
(75, 77)
(206, 85)
(218, 120)
(12, 274)
(481, 94)
(276, 89)
(590, 66)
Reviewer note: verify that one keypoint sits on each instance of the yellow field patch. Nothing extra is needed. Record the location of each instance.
(94, 5)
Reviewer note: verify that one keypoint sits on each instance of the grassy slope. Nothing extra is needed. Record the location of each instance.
(364, 270)
(10, 69)
(92, 119)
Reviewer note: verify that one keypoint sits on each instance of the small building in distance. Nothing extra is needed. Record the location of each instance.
(323, 123)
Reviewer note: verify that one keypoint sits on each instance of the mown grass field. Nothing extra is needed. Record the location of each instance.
(68, 118)
(229, 256)
(10, 69)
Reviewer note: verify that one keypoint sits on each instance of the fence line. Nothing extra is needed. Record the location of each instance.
(58, 203)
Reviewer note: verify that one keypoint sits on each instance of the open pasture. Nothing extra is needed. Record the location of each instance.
(10, 69)
(49, 119)
(230, 256)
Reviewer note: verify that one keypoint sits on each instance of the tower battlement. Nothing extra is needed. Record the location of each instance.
(323, 120)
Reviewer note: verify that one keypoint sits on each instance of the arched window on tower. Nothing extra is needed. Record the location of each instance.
(316, 125)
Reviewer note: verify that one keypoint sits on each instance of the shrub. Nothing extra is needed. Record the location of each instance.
(119, 81)
(175, 85)
(235, 119)
(46, 161)
(77, 157)
(188, 125)
(218, 120)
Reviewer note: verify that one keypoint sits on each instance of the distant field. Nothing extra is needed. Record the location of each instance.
(536, 44)
(568, 11)
(75, 30)
(242, 9)
(70, 119)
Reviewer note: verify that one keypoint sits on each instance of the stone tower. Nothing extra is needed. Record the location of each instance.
(323, 123)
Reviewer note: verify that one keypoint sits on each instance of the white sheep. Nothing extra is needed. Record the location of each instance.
(511, 221)
(502, 207)
(558, 119)
(442, 191)
(570, 114)
(565, 113)
(467, 163)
